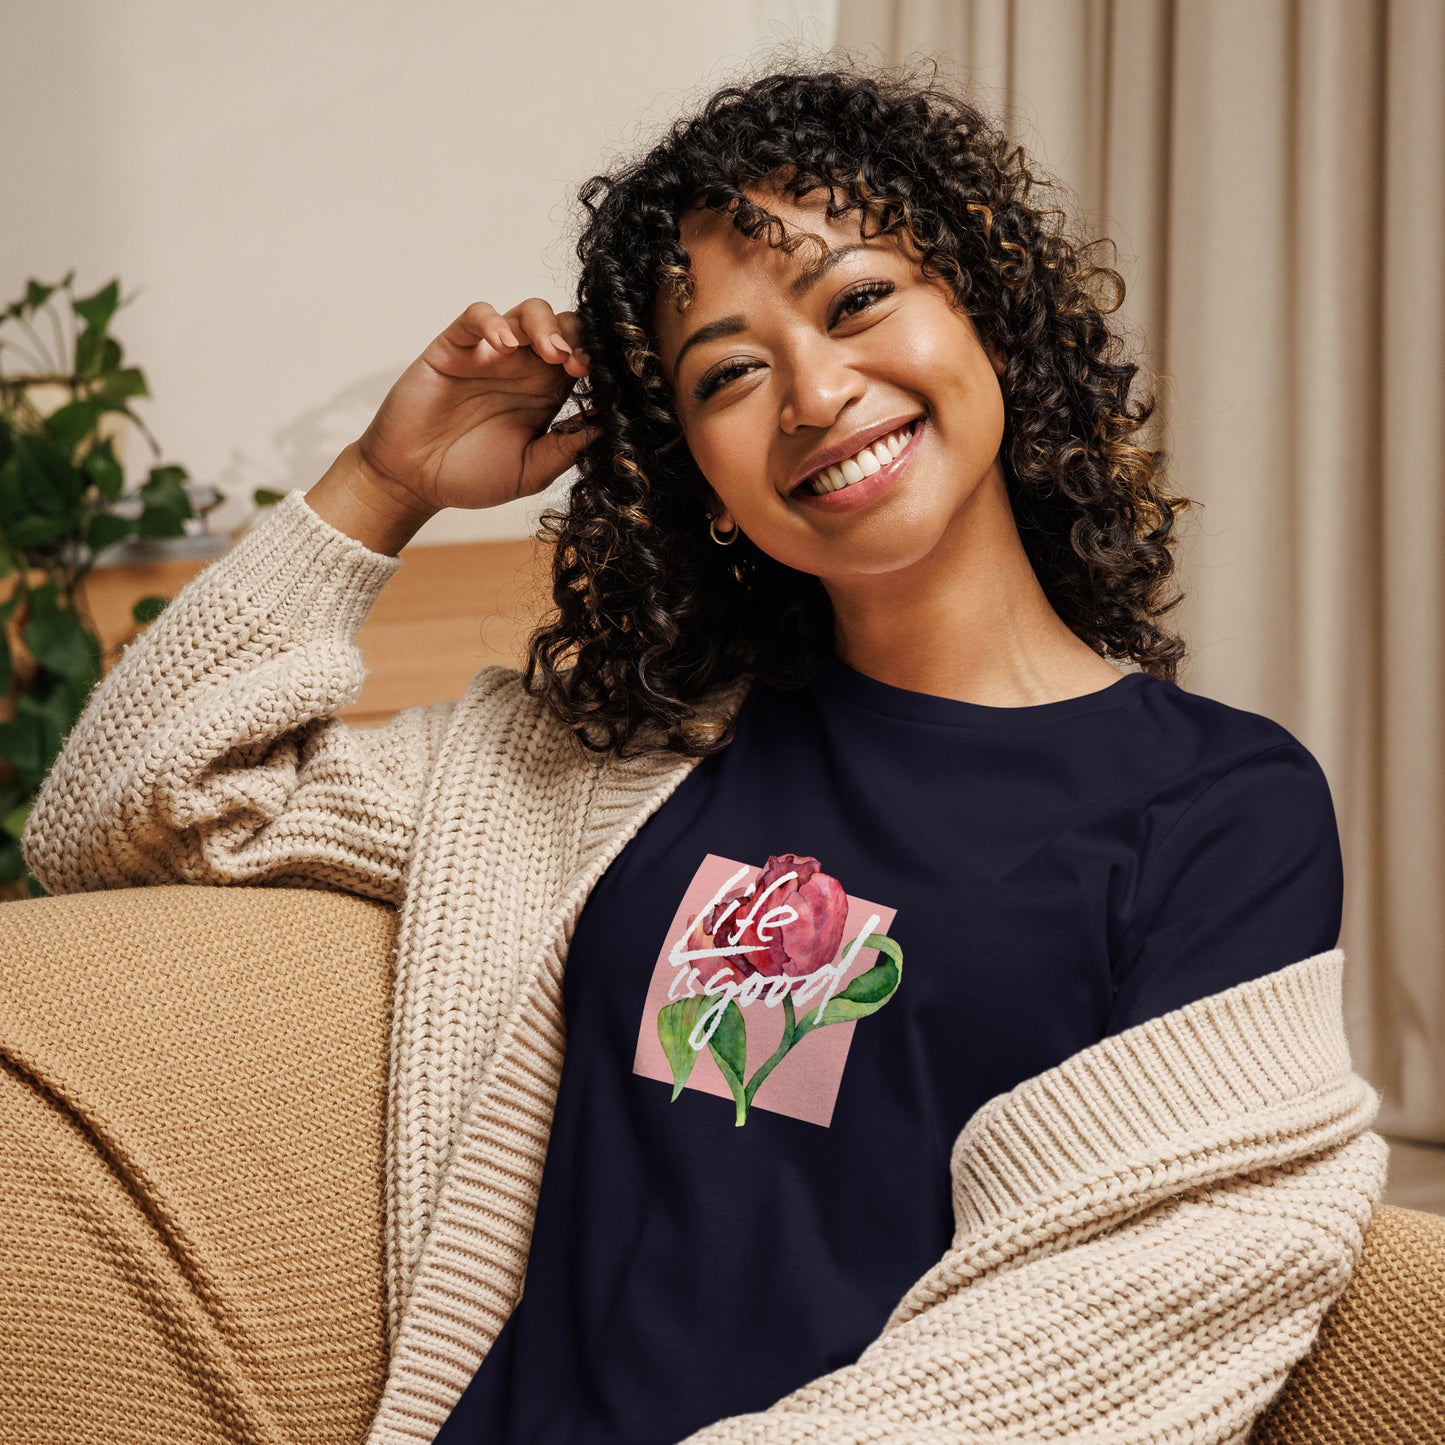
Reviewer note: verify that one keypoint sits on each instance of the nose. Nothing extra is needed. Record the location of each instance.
(820, 382)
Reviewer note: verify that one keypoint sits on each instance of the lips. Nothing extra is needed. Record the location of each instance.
(849, 447)
(862, 494)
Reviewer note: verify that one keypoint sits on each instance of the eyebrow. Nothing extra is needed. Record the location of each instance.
(731, 325)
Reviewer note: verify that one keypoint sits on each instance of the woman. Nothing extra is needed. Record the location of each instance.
(950, 1020)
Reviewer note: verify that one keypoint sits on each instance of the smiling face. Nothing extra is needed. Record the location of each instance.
(770, 374)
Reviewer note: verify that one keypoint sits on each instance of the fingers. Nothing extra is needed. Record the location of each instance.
(481, 322)
(554, 337)
(554, 451)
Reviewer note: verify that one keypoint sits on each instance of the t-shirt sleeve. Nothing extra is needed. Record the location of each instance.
(1249, 879)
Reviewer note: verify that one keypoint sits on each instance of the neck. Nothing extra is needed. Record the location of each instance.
(969, 620)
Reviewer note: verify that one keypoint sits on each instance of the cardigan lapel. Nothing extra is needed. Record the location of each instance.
(1251, 1077)
(449, 1307)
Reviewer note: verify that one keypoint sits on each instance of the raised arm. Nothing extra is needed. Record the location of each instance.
(210, 752)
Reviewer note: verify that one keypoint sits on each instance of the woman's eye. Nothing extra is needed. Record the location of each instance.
(869, 291)
(715, 379)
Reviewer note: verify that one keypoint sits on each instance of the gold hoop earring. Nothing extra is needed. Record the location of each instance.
(727, 541)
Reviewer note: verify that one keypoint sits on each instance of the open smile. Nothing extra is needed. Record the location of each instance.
(865, 488)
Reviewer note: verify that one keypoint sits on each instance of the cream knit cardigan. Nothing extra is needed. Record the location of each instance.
(1148, 1235)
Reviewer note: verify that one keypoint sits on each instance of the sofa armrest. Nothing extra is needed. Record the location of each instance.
(1376, 1371)
(192, 1111)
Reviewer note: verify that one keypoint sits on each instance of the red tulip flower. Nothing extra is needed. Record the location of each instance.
(795, 929)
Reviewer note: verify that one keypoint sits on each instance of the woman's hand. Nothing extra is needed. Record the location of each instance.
(466, 424)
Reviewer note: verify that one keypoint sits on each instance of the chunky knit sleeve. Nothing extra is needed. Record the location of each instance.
(1148, 1237)
(210, 752)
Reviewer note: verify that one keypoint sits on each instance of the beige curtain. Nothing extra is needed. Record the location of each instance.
(1273, 172)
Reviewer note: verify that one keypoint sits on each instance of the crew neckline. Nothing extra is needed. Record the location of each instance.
(843, 681)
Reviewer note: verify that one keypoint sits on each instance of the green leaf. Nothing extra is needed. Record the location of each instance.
(729, 1045)
(7, 664)
(68, 424)
(101, 467)
(105, 529)
(264, 497)
(36, 295)
(35, 531)
(60, 642)
(53, 703)
(12, 493)
(167, 505)
(14, 821)
(97, 309)
(868, 992)
(148, 609)
(52, 485)
(12, 861)
(22, 745)
(129, 381)
(90, 352)
(675, 1022)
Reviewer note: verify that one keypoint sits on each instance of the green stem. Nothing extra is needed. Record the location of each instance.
(790, 1037)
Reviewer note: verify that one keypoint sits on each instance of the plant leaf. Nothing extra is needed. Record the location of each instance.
(60, 642)
(14, 821)
(167, 505)
(129, 381)
(36, 295)
(12, 493)
(869, 991)
(102, 468)
(69, 423)
(729, 1045)
(729, 1042)
(35, 530)
(105, 529)
(148, 609)
(675, 1021)
(97, 309)
(51, 484)
(22, 745)
(90, 352)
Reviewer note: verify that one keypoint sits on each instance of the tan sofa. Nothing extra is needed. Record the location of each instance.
(191, 1127)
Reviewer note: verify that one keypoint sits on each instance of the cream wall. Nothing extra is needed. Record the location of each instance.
(301, 196)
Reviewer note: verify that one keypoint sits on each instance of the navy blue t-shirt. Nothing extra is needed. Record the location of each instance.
(872, 912)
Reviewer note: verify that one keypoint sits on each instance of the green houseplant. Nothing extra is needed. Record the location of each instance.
(60, 480)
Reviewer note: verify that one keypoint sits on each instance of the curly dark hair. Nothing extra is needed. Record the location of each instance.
(649, 612)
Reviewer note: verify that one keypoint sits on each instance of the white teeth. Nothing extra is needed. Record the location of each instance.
(871, 459)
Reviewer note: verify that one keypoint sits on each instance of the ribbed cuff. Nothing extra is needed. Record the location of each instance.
(320, 578)
(1259, 1045)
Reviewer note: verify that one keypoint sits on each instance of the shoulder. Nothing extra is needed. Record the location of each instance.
(1210, 754)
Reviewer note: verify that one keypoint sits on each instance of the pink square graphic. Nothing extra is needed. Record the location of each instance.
(804, 1084)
